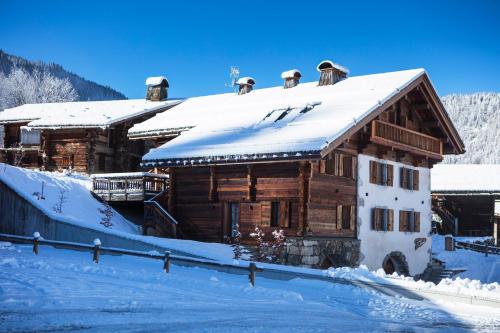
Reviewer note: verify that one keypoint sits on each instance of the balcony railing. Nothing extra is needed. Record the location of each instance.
(133, 186)
(406, 139)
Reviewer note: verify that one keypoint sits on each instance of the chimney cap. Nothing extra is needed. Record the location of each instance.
(292, 73)
(325, 64)
(157, 81)
(247, 80)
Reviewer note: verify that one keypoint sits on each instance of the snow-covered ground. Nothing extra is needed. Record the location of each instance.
(63, 290)
(479, 267)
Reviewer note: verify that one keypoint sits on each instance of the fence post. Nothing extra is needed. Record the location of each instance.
(251, 276)
(97, 244)
(36, 237)
(486, 251)
(166, 262)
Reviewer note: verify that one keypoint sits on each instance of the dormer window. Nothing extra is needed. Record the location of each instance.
(245, 84)
(331, 73)
(291, 78)
(157, 88)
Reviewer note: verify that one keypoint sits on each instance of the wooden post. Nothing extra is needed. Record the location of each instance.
(36, 237)
(166, 262)
(97, 245)
(252, 268)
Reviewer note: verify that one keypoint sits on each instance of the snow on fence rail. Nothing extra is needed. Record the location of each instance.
(486, 249)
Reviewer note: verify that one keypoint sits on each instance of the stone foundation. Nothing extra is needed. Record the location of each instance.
(322, 252)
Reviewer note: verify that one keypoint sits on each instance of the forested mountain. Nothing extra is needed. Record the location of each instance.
(86, 90)
(477, 118)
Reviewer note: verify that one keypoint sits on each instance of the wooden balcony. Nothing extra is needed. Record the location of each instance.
(404, 139)
(131, 186)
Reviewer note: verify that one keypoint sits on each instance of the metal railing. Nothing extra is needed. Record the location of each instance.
(383, 131)
(167, 258)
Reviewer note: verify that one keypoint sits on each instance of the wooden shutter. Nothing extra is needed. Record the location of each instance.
(284, 214)
(338, 225)
(415, 179)
(404, 178)
(352, 223)
(390, 174)
(322, 166)
(373, 172)
(354, 166)
(347, 167)
(417, 221)
(390, 220)
(376, 219)
(265, 214)
(403, 220)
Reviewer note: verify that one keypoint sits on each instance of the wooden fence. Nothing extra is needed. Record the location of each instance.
(486, 249)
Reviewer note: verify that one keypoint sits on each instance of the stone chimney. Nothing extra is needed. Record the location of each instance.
(157, 88)
(291, 78)
(246, 85)
(331, 73)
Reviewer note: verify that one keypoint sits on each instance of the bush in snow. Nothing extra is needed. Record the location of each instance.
(107, 213)
(39, 195)
(58, 207)
(18, 154)
(236, 241)
(278, 244)
(258, 235)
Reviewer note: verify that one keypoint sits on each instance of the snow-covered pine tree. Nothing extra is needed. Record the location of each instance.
(258, 235)
(236, 241)
(278, 244)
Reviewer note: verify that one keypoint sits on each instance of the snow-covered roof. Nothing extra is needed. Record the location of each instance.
(459, 178)
(331, 64)
(155, 80)
(269, 123)
(82, 114)
(290, 74)
(246, 80)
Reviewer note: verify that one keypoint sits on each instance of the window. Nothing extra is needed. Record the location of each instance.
(381, 173)
(341, 165)
(275, 214)
(30, 137)
(68, 161)
(101, 162)
(382, 219)
(409, 221)
(346, 215)
(234, 217)
(409, 179)
(2, 136)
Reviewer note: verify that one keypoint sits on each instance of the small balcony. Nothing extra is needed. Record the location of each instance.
(130, 186)
(405, 139)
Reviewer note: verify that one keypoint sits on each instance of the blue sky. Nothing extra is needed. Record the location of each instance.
(120, 43)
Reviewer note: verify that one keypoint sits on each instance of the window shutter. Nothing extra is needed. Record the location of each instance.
(390, 174)
(417, 221)
(354, 166)
(339, 217)
(322, 166)
(284, 214)
(265, 214)
(385, 219)
(390, 219)
(373, 172)
(340, 171)
(404, 178)
(375, 219)
(352, 222)
(403, 221)
(2, 135)
(415, 179)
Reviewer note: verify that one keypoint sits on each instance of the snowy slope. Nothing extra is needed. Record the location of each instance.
(61, 290)
(79, 208)
(479, 267)
(477, 119)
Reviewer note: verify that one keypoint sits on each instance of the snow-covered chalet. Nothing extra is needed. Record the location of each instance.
(89, 136)
(341, 164)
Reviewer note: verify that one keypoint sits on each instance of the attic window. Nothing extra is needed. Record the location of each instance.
(331, 73)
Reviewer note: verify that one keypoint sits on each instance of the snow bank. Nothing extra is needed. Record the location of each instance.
(79, 207)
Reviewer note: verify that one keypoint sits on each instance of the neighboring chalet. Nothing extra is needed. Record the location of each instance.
(467, 198)
(342, 165)
(88, 137)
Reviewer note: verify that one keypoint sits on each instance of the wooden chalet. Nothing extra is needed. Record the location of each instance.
(341, 165)
(466, 197)
(88, 137)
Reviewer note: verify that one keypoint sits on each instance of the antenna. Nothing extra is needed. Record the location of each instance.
(234, 74)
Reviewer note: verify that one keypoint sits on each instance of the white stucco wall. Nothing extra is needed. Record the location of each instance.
(376, 245)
